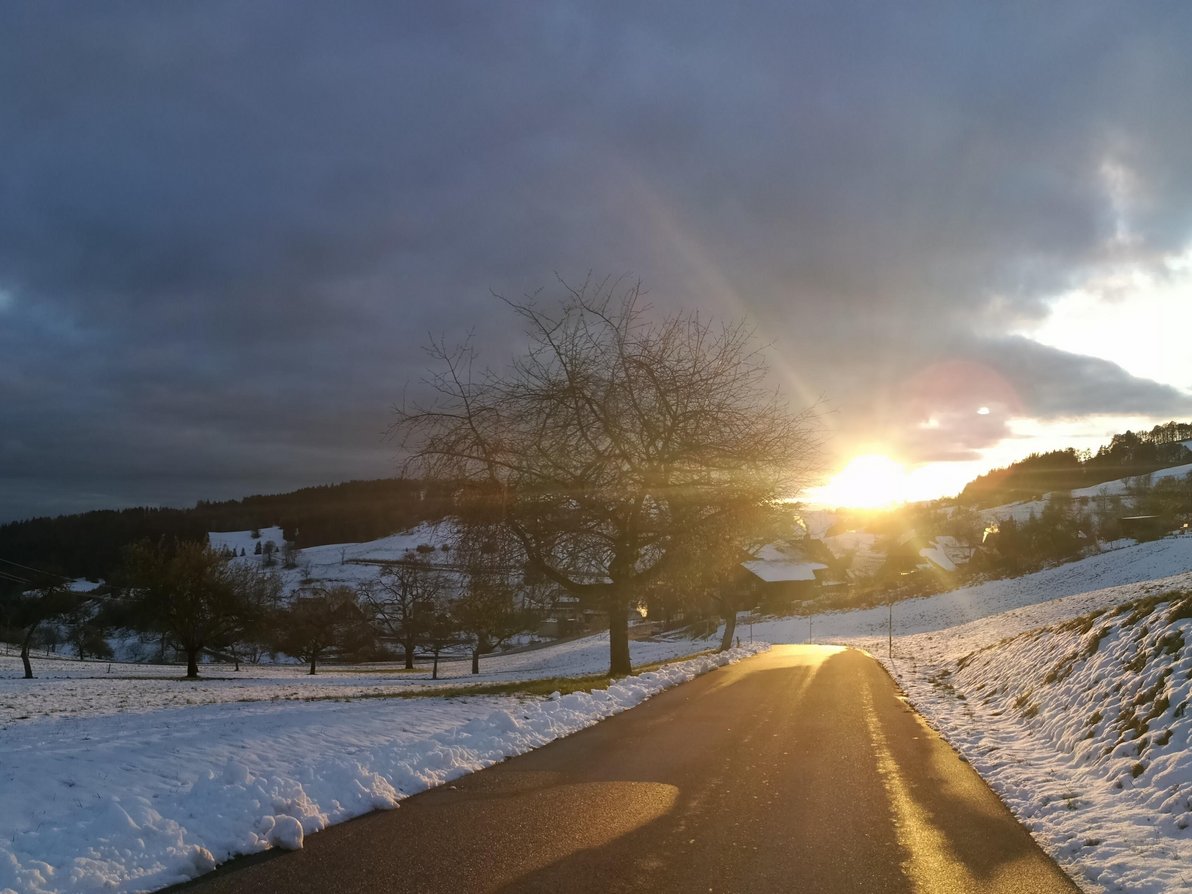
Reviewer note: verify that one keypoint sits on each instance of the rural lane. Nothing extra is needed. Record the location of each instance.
(799, 770)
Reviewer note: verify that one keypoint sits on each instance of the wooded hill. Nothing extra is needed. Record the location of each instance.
(92, 544)
(1126, 455)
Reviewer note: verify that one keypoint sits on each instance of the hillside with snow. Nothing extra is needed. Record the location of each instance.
(1083, 728)
(347, 564)
(1088, 496)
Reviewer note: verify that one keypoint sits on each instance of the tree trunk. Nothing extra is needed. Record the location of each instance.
(730, 628)
(409, 656)
(313, 660)
(434, 671)
(618, 635)
(25, 656)
(482, 647)
(192, 664)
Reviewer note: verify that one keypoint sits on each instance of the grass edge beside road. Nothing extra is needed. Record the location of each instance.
(540, 688)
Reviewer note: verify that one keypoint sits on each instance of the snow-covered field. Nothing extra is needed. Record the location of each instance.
(69, 688)
(122, 782)
(1123, 485)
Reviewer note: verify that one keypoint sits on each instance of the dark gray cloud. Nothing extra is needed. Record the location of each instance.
(227, 228)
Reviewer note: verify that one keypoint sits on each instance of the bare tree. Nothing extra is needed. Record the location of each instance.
(487, 607)
(86, 636)
(440, 630)
(323, 624)
(259, 594)
(196, 597)
(708, 572)
(613, 440)
(401, 603)
(41, 609)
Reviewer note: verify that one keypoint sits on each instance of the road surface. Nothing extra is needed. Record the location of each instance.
(798, 770)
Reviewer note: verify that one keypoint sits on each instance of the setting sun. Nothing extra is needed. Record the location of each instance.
(867, 482)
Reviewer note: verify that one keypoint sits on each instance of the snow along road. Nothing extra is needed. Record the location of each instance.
(801, 769)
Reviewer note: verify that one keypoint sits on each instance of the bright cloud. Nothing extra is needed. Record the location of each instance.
(1134, 317)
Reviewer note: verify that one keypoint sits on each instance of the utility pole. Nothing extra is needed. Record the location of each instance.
(890, 628)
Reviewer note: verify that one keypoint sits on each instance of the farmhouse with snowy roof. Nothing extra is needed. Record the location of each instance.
(788, 571)
(940, 554)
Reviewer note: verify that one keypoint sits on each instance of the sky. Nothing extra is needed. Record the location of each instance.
(228, 230)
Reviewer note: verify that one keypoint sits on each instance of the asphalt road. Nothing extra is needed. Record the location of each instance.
(799, 770)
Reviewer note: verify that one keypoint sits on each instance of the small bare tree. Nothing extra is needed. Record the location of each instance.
(440, 630)
(708, 570)
(489, 606)
(41, 609)
(323, 624)
(197, 598)
(260, 592)
(613, 440)
(401, 603)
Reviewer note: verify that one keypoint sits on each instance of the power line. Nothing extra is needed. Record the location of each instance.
(34, 570)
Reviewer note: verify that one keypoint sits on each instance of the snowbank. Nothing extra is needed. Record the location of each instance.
(128, 803)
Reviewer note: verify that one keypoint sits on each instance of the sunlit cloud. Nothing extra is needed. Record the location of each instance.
(1121, 186)
(1130, 317)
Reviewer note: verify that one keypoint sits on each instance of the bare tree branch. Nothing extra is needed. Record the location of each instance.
(616, 440)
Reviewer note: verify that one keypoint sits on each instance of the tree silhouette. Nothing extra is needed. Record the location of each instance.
(613, 440)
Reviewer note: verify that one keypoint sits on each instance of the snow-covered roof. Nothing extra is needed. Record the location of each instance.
(783, 560)
(778, 571)
(773, 552)
(82, 585)
(937, 556)
(860, 548)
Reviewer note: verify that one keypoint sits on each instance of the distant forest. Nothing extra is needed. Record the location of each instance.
(1127, 455)
(92, 544)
